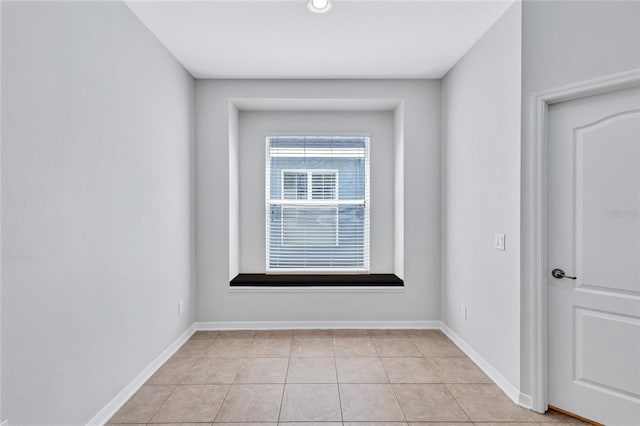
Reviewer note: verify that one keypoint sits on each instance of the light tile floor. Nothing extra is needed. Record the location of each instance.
(329, 377)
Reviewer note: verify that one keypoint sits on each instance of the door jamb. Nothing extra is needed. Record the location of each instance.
(535, 225)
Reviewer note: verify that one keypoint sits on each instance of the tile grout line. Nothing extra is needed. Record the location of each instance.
(446, 385)
(222, 403)
(284, 386)
(335, 365)
(228, 390)
(175, 386)
(163, 403)
(393, 389)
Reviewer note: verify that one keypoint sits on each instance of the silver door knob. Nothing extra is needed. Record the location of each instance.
(559, 274)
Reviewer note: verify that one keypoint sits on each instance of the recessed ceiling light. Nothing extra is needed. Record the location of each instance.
(319, 6)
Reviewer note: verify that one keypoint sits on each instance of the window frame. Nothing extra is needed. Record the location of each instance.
(365, 202)
(310, 173)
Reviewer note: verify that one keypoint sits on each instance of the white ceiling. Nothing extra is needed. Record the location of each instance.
(282, 39)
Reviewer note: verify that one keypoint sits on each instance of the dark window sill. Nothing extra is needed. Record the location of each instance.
(326, 280)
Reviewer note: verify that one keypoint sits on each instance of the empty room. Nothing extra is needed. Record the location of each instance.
(320, 212)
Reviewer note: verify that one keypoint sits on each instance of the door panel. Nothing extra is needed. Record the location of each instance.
(608, 201)
(595, 363)
(594, 235)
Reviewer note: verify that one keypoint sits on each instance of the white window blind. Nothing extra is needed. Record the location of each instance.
(317, 203)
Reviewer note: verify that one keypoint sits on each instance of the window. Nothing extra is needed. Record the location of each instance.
(317, 201)
(296, 220)
(296, 184)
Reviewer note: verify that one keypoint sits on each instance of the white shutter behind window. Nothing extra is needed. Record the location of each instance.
(317, 201)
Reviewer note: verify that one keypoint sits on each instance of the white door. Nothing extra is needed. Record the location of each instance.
(594, 236)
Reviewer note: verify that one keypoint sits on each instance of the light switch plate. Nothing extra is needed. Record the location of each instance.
(498, 241)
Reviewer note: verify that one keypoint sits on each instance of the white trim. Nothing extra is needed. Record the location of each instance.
(5, 423)
(317, 202)
(316, 325)
(309, 201)
(317, 152)
(505, 385)
(525, 401)
(125, 394)
(535, 226)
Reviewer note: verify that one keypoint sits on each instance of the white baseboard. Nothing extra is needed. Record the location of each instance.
(525, 401)
(123, 396)
(4, 423)
(507, 387)
(319, 325)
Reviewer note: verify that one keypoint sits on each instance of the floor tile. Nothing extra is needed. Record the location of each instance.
(179, 424)
(205, 334)
(504, 424)
(487, 403)
(229, 347)
(425, 333)
(310, 424)
(213, 371)
(458, 370)
(270, 347)
(310, 402)
(369, 402)
(375, 424)
(312, 347)
(552, 416)
(143, 404)
(273, 333)
(126, 424)
(381, 380)
(394, 346)
(388, 333)
(356, 346)
(311, 370)
(236, 334)
(251, 403)
(193, 349)
(263, 370)
(313, 333)
(192, 403)
(441, 424)
(246, 424)
(350, 333)
(360, 370)
(428, 402)
(172, 372)
(438, 346)
(409, 370)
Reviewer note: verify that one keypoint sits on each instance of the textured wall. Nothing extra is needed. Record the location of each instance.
(96, 205)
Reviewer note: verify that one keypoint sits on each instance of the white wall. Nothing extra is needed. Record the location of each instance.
(1, 417)
(419, 301)
(96, 178)
(255, 125)
(481, 136)
(578, 41)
